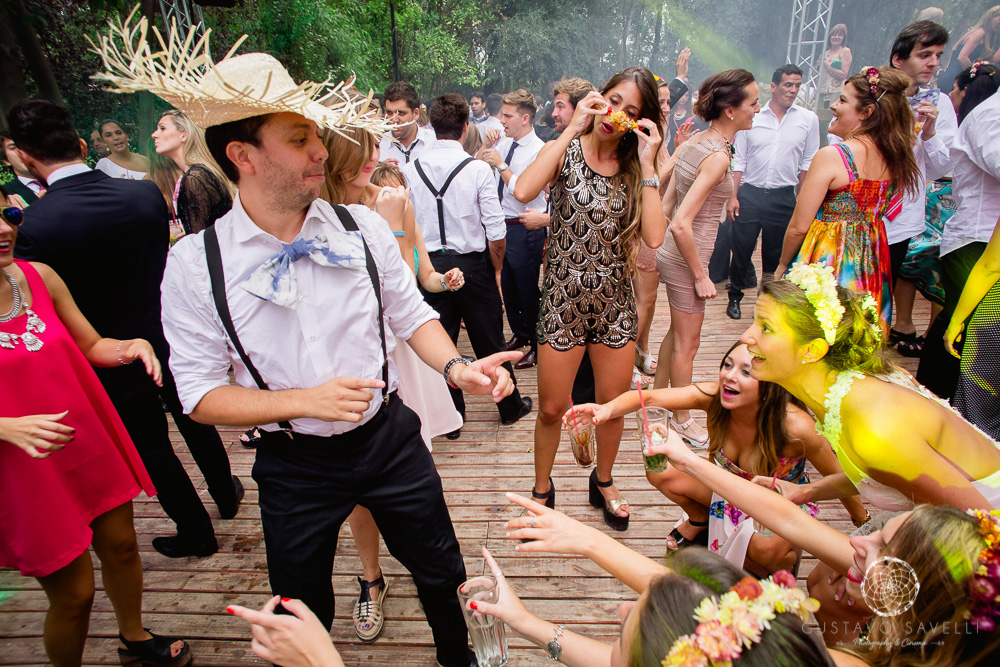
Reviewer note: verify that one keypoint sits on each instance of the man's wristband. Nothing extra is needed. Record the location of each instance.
(468, 361)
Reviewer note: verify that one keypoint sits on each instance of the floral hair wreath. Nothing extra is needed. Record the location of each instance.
(974, 70)
(984, 585)
(871, 73)
(737, 620)
(820, 286)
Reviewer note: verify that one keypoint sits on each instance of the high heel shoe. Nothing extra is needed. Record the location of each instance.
(548, 499)
(699, 442)
(680, 541)
(153, 652)
(644, 361)
(610, 507)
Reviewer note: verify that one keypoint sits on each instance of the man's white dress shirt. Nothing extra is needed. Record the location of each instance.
(390, 149)
(332, 332)
(491, 123)
(773, 152)
(975, 157)
(525, 153)
(66, 172)
(933, 161)
(472, 213)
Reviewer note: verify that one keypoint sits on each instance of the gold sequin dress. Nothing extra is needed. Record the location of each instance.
(587, 291)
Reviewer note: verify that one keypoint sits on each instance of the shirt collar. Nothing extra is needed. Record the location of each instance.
(68, 170)
(526, 139)
(767, 107)
(245, 229)
(449, 143)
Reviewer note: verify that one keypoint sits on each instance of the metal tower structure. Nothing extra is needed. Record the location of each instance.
(807, 35)
(186, 13)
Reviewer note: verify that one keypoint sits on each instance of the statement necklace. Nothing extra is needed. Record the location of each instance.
(33, 325)
(729, 144)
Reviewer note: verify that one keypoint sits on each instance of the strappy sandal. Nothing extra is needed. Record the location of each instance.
(910, 345)
(644, 361)
(639, 377)
(153, 652)
(250, 438)
(680, 541)
(548, 499)
(368, 618)
(610, 507)
(682, 430)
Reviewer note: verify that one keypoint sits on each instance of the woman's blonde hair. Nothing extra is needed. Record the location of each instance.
(349, 149)
(841, 29)
(196, 150)
(388, 175)
(473, 141)
(990, 42)
(941, 545)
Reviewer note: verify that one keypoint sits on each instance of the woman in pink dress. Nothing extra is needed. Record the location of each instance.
(68, 470)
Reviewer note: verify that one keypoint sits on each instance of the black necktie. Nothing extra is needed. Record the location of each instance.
(407, 151)
(510, 153)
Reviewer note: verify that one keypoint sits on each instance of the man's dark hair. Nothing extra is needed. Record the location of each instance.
(480, 94)
(785, 70)
(403, 91)
(918, 33)
(493, 103)
(44, 130)
(449, 115)
(218, 137)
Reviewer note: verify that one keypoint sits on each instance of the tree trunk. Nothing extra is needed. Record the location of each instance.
(655, 53)
(31, 48)
(626, 29)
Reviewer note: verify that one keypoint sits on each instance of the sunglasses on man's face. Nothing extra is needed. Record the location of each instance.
(13, 216)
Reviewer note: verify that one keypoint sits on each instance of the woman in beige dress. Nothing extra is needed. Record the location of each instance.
(694, 203)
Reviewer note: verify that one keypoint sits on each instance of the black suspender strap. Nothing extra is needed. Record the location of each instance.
(218, 279)
(439, 194)
(351, 226)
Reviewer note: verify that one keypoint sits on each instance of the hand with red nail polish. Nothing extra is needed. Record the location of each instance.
(296, 640)
(473, 606)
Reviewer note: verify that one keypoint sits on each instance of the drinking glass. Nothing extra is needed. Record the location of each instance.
(583, 441)
(489, 640)
(657, 419)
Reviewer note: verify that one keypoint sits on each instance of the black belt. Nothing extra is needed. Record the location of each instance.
(513, 221)
(782, 189)
(446, 252)
(358, 435)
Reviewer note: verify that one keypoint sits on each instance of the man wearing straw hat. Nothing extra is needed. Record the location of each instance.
(302, 299)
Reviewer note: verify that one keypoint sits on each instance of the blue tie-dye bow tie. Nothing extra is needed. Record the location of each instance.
(274, 280)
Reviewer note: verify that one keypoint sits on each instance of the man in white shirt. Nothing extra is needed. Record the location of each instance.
(318, 335)
(26, 186)
(491, 122)
(770, 161)
(409, 140)
(975, 158)
(523, 257)
(917, 53)
(456, 205)
(477, 108)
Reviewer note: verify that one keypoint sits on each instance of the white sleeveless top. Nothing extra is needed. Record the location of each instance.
(114, 171)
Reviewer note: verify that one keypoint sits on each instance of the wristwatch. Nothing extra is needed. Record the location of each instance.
(553, 647)
(653, 182)
(502, 166)
(468, 361)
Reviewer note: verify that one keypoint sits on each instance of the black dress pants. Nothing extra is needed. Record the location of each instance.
(519, 280)
(309, 485)
(763, 213)
(478, 304)
(146, 424)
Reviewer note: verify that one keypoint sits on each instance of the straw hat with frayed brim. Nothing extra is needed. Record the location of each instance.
(237, 87)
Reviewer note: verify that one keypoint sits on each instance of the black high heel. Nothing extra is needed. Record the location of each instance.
(610, 507)
(680, 541)
(154, 652)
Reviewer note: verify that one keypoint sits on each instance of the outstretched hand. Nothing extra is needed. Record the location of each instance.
(486, 376)
(551, 531)
(293, 641)
(508, 607)
(588, 413)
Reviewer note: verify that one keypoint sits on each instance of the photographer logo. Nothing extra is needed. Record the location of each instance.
(890, 586)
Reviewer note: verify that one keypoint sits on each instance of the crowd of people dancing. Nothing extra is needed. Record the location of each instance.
(326, 255)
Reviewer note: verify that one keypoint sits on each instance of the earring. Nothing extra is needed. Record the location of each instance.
(803, 362)
(730, 116)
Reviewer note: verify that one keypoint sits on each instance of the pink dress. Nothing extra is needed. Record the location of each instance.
(46, 505)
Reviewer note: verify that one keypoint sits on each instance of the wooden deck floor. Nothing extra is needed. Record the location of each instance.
(187, 597)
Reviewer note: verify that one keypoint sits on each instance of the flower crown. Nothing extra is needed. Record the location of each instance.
(820, 286)
(984, 585)
(737, 620)
(974, 70)
(871, 73)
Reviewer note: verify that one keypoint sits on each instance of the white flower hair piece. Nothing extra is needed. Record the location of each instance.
(869, 304)
(820, 286)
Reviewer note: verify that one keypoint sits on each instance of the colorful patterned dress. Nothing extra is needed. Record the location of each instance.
(729, 528)
(849, 235)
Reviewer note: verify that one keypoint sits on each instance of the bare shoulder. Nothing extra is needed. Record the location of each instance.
(798, 423)
(842, 659)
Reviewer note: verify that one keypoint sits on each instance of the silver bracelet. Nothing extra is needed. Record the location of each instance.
(468, 361)
(653, 182)
(554, 647)
(444, 284)
(118, 350)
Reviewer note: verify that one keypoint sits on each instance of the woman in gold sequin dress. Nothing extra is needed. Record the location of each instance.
(602, 171)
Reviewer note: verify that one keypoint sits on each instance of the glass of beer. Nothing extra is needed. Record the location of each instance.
(583, 441)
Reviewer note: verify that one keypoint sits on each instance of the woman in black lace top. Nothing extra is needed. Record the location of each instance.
(202, 194)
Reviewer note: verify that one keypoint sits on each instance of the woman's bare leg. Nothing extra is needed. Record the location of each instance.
(366, 534)
(646, 284)
(612, 377)
(556, 371)
(70, 591)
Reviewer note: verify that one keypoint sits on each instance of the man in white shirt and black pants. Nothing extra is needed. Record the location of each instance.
(303, 303)
(456, 205)
(408, 140)
(770, 161)
(523, 257)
